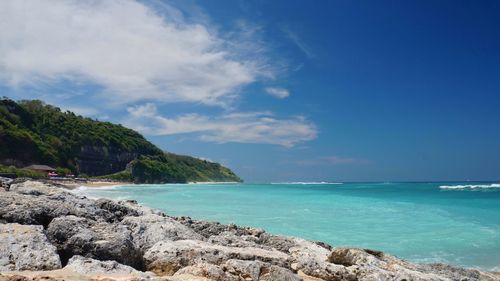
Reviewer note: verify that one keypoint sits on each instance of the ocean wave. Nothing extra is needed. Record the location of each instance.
(84, 188)
(470, 186)
(313, 182)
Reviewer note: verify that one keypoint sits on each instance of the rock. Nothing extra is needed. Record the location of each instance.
(25, 247)
(207, 229)
(228, 238)
(113, 240)
(375, 265)
(30, 187)
(203, 270)
(84, 265)
(96, 239)
(280, 243)
(165, 258)
(5, 183)
(311, 259)
(256, 270)
(147, 230)
(37, 203)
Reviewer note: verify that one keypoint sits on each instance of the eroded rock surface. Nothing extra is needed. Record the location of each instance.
(44, 227)
(25, 247)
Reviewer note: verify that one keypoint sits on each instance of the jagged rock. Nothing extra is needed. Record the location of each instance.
(230, 239)
(96, 239)
(29, 187)
(207, 229)
(147, 230)
(203, 270)
(126, 233)
(25, 247)
(257, 270)
(165, 258)
(281, 243)
(36, 203)
(375, 265)
(311, 259)
(5, 183)
(84, 265)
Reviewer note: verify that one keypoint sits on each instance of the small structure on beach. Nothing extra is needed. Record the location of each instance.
(41, 168)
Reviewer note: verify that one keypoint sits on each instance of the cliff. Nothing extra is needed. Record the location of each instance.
(32, 132)
(49, 234)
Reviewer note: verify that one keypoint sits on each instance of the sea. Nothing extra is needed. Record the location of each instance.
(454, 223)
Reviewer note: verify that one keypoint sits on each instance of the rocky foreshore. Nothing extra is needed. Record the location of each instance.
(48, 233)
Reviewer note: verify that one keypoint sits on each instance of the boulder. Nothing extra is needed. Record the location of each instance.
(37, 203)
(25, 247)
(84, 265)
(5, 183)
(207, 229)
(257, 270)
(166, 257)
(228, 238)
(149, 229)
(95, 239)
(204, 271)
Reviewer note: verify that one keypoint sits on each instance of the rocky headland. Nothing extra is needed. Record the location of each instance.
(48, 233)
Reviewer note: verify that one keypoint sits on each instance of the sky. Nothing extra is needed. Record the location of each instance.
(280, 90)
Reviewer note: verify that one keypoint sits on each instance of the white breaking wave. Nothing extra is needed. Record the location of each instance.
(300, 182)
(471, 186)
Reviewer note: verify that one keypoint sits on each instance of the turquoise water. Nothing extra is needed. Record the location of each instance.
(422, 222)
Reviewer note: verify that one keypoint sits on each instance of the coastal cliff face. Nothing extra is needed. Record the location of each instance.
(102, 160)
(51, 234)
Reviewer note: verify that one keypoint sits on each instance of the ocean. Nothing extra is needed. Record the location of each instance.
(455, 223)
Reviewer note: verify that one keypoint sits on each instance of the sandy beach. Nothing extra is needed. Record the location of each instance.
(72, 184)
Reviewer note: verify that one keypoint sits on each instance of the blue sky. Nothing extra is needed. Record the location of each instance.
(276, 90)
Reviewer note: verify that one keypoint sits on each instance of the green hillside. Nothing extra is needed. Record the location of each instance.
(32, 132)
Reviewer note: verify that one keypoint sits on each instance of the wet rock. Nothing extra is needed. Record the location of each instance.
(25, 247)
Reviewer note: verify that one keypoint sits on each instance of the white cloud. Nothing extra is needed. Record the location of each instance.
(126, 52)
(247, 127)
(134, 52)
(278, 92)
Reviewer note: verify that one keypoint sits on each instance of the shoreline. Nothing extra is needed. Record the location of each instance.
(90, 183)
(122, 238)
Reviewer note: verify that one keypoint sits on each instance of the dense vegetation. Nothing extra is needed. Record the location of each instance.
(32, 132)
(19, 172)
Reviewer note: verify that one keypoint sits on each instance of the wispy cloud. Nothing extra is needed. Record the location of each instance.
(330, 160)
(124, 46)
(89, 55)
(280, 93)
(242, 127)
(298, 41)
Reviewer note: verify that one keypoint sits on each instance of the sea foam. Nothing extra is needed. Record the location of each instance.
(471, 186)
(299, 182)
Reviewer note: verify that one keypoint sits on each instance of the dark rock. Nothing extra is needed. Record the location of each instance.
(98, 240)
